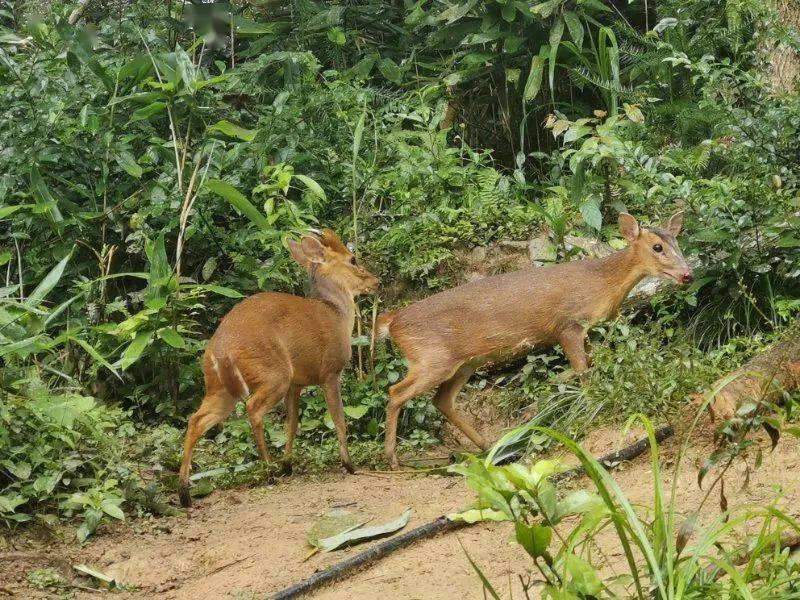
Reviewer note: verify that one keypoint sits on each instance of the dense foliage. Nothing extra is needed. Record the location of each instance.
(154, 158)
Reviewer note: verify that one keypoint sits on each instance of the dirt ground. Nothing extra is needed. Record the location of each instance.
(251, 543)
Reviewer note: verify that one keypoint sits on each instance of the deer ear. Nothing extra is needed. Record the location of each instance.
(312, 249)
(297, 253)
(675, 223)
(628, 227)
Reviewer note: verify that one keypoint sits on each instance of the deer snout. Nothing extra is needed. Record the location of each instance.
(687, 276)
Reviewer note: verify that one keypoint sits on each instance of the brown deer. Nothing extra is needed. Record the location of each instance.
(445, 337)
(270, 346)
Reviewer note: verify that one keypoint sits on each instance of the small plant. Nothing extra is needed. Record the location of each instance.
(45, 579)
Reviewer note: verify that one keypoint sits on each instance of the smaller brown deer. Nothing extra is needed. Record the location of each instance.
(270, 346)
(445, 337)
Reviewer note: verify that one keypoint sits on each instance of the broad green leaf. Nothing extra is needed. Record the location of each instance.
(594, 4)
(184, 69)
(92, 351)
(390, 70)
(312, 186)
(22, 347)
(634, 112)
(47, 483)
(456, 12)
(48, 283)
(556, 33)
(535, 539)
(590, 210)
(9, 504)
(42, 195)
(331, 524)
(127, 161)
(575, 132)
(364, 533)
(788, 241)
(337, 36)
(63, 409)
(362, 68)
(161, 280)
(229, 129)
(172, 337)
(237, 199)
(135, 349)
(476, 515)
(356, 412)
(545, 9)
(111, 508)
(222, 291)
(148, 111)
(575, 27)
(94, 573)
(535, 76)
(583, 575)
(247, 27)
(6, 211)
(20, 470)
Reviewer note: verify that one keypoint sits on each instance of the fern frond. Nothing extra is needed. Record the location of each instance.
(582, 75)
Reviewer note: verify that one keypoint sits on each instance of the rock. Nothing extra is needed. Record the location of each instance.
(591, 246)
(478, 254)
(541, 250)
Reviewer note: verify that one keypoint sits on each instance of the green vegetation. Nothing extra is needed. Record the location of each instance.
(154, 158)
(668, 553)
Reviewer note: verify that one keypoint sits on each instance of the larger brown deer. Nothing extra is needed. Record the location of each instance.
(445, 337)
(270, 346)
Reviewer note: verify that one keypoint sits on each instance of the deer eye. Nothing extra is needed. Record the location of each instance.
(352, 260)
(657, 248)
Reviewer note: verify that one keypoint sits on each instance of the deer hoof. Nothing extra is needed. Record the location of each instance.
(184, 496)
(348, 467)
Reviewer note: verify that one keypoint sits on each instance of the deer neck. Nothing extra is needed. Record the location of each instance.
(338, 298)
(620, 272)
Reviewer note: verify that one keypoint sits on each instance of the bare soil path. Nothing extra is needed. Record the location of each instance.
(251, 543)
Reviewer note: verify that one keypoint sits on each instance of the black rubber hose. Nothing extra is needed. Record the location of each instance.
(442, 525)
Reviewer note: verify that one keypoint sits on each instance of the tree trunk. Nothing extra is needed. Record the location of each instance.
(784, 61)
(764, 377)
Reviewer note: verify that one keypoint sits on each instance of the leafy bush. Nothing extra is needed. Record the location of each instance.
(63, 454)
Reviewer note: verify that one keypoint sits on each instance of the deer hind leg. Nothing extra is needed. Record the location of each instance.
(268, 393)
(214, 408)
(445, 398)
(418, 381)
(292, 417)
(333, 398)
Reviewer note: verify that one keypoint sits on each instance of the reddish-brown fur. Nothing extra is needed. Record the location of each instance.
(270, 346)
(445, 337)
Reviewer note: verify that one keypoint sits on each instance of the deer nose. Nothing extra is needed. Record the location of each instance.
(687, 277)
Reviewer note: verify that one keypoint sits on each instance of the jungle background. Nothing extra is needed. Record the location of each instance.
(155, 155)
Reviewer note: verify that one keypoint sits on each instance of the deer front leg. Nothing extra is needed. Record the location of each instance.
(573, 340)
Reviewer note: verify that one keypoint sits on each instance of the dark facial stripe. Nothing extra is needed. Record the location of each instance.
(668, 238)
